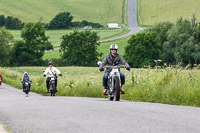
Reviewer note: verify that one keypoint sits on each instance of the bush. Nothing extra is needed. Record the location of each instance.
(61, 21)
(143, 49)
(80, 48)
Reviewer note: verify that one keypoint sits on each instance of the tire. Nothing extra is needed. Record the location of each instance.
(27, 90)
(53, 91)
(117, 88)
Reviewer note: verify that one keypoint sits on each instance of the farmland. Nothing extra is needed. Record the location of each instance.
(154, 11)
(100, 11)
(55, 35)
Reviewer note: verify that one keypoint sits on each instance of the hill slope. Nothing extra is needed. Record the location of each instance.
(153, 11)
(101, 11)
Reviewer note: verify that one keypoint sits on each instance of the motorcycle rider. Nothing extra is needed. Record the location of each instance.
(24, 79)
(113, 59)
(49, 72)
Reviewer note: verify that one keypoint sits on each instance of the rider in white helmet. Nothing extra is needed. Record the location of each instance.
(113, 59)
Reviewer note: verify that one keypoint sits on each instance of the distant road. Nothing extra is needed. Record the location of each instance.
(45, 114)
(132, 21)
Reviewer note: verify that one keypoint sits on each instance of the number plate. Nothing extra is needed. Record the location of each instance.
(52, 78)
(115, 70)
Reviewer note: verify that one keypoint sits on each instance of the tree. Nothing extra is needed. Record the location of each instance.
(13, 23)
(183, 43)
(30, 50)
(5, 47)
(161, 29)
(2, 20)
(143, 49)
(80, 48)
(61, 21)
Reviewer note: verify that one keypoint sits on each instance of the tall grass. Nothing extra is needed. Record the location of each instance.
(154, 11)
(167, 85)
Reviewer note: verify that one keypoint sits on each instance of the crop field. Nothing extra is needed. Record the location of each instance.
(154, 11)
(100, 11)
(166, 85)
(55, 35)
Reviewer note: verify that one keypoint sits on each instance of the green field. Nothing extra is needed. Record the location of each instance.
(167, 85)
(154, 11)
(100, 11)
(104, 48)
(55, 35)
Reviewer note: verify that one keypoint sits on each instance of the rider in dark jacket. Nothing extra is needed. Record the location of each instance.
(113, 59)
(26, 78)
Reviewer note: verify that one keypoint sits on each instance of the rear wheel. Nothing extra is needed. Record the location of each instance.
(117, 88)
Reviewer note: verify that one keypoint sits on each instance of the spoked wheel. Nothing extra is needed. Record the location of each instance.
(117, 88)
(27, 91)
(53, 91)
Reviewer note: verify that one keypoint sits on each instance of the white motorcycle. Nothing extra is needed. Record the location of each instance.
(114, 82)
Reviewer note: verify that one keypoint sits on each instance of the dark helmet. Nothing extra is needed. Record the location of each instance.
(50, 63)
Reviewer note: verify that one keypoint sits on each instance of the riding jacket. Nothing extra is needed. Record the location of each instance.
(50, 71)
(113, 61)
(26, 78)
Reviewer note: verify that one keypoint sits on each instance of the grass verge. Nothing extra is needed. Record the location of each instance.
(168, 86)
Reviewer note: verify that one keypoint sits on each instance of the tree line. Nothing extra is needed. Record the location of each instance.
(62, 20)
(78, 48)
(170, 43)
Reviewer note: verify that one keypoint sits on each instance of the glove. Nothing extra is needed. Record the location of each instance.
(60, 74)
(101, 69)
(44, 75)
(128, 68)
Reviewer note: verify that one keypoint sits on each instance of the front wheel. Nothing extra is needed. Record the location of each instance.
(117, 88)
(53, 91)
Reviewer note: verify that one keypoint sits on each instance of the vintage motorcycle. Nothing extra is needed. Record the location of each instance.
(26, 87)
(114, 82)
(52, 85)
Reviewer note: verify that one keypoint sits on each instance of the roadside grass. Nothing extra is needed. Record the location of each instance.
(155, 11)
(104, 48)
(168, 85)
(101, 11)
(6, 127)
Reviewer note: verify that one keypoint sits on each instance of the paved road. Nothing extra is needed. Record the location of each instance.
(132, 21)
(39, 114)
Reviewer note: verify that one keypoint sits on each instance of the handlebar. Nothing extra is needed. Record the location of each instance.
(114, 67)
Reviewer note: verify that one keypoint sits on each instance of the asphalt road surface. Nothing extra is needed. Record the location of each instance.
(132, 21)
(45, 114)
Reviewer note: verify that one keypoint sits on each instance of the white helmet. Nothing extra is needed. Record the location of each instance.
(25, 73)
(114, 46)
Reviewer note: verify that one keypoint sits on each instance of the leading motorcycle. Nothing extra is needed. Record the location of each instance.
(114, 82)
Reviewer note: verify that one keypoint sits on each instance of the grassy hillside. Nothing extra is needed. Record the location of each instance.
(101, 11)
(169, 85)
(154, 11)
